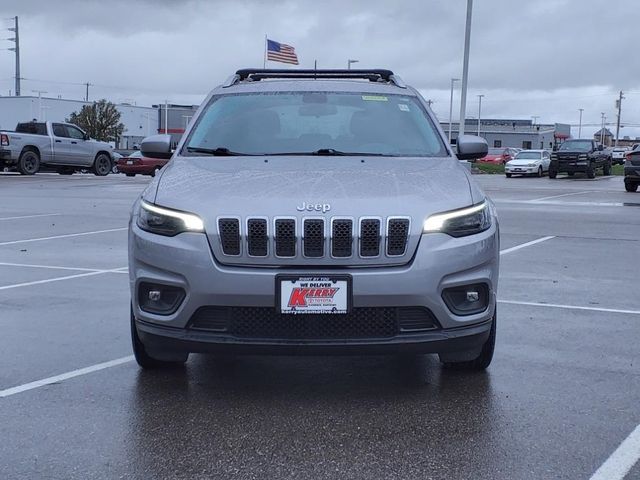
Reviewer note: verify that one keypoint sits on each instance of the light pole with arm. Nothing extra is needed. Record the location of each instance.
(580, 124)
(465, 68)
(479, 111)
(349, 62)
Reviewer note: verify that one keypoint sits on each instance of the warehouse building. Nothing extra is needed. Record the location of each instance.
(139, 122)
(513, 133)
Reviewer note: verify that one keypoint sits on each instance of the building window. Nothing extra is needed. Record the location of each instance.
(497, 143)
(526, 145)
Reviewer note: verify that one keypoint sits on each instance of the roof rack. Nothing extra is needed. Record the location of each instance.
(256, 74)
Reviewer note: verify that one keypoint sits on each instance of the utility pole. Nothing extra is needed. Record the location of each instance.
(166, 117)
(351, 61)
(619, 106)
(580, 124)
(429, 102)
(479, 111)
(39, 92)
(602, 118)
(86, 95)
(465, 68)
(535, 119)
(451, 106)
(16, 49)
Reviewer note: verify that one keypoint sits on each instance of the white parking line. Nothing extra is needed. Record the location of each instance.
(58, 279)
(558, 196)
(622, 460)
(14, 242)
(64, 376)
(31, 216)
(52, 267)
(527, 244)
(571, 307)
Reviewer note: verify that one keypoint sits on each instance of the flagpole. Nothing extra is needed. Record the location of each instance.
(264, 57)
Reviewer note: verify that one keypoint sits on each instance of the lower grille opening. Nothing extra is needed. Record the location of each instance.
(268, 323)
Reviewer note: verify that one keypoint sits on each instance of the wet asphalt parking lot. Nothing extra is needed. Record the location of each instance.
(561, 399)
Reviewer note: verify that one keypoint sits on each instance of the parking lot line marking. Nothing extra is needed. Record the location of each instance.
(618, 465)
(52, 267)
(64, 376)
(527, 244)
(558, 196)
(58, 279)
(94, 232)
(571, 307)
(31, 216)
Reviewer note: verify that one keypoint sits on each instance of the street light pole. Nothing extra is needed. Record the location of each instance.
(479, 111)
(16, 49)
(602, 117)
(349, 62)
(580, 124)
(451, 106)
(465, 68)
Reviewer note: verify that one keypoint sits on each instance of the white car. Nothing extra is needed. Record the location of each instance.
(618, 154)
(529, 162)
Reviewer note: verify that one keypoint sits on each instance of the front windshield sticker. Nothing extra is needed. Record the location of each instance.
(374, 98)
(403, 107)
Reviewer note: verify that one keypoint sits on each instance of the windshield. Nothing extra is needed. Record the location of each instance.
(496, 151)
(528, 155)
(576, 145)
(309, 122)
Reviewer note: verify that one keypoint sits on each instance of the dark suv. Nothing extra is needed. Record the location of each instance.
(585, 156)
(632, 169)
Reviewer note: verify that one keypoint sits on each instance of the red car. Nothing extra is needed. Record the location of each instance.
(500, 155)
(136, 163)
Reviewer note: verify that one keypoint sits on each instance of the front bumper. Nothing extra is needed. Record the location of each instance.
(570, 166)
(5, 157)
(526, 170)
(137, 169)
(440, 262)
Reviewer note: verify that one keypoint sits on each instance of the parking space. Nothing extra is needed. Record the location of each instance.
(562, 394)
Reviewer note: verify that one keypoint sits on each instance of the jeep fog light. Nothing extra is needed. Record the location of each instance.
(467, 299)
(159, 299)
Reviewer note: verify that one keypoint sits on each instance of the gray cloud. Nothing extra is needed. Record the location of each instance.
(543, 57)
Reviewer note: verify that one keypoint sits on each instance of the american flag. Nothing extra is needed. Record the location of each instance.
(280, 52)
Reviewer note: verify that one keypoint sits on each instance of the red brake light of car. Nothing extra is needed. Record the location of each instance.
(4, 140)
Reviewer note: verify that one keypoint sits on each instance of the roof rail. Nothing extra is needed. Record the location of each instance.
(373, 75)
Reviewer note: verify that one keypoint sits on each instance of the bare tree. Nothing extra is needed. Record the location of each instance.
(101, 120)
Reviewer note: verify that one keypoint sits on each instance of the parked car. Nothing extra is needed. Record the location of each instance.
(618, 155)
(500, 155)
(586, 156)
(528, 162)
(137, 164)
(115, 156)
(632, 169)
(315, 214)
(60, 146)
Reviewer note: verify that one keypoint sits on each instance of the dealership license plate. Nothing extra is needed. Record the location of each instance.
(314, 294)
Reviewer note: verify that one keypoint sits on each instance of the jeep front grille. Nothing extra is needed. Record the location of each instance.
(314, 238)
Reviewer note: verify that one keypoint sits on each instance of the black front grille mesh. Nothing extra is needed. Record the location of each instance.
(268, 323)
(370, 237)
(257, 239)
(285, 238)
(342, 238)
(229, 229)
(398, 231)
(313, 238)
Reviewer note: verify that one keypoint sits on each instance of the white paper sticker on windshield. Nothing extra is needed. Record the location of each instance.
(403, 107)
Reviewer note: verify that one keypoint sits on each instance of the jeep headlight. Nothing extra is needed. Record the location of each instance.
(165, 221)
(460, 223)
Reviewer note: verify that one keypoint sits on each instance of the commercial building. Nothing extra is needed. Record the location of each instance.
(139, 122)
(174, 119)
(513, 133)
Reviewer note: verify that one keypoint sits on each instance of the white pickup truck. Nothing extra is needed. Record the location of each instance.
(61, 147)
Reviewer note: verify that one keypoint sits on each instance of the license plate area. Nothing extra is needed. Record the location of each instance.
(313, 294)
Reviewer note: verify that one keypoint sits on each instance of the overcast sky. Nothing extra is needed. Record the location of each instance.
(544, 58)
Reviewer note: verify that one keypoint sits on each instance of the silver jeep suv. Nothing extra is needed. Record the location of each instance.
(312, 212)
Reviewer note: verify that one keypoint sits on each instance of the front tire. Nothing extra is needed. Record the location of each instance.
(102, 165)
(539, 172)
(508, 175)
(483, 360)
(606, 170)
(147, 361)
(553, 173)
(630, 186)
(591, 171)
(29, 163)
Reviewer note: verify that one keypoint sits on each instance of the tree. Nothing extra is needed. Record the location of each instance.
(100, 120)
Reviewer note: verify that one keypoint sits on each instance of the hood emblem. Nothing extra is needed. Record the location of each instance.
(314, 207)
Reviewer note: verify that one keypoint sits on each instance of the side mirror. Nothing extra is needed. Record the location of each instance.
(471, 147)
(157, 146)
(601, 147)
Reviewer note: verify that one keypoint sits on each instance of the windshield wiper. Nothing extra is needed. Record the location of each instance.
(330, 152)
(218, 152)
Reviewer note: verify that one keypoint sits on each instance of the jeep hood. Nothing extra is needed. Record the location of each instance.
(353, 186)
